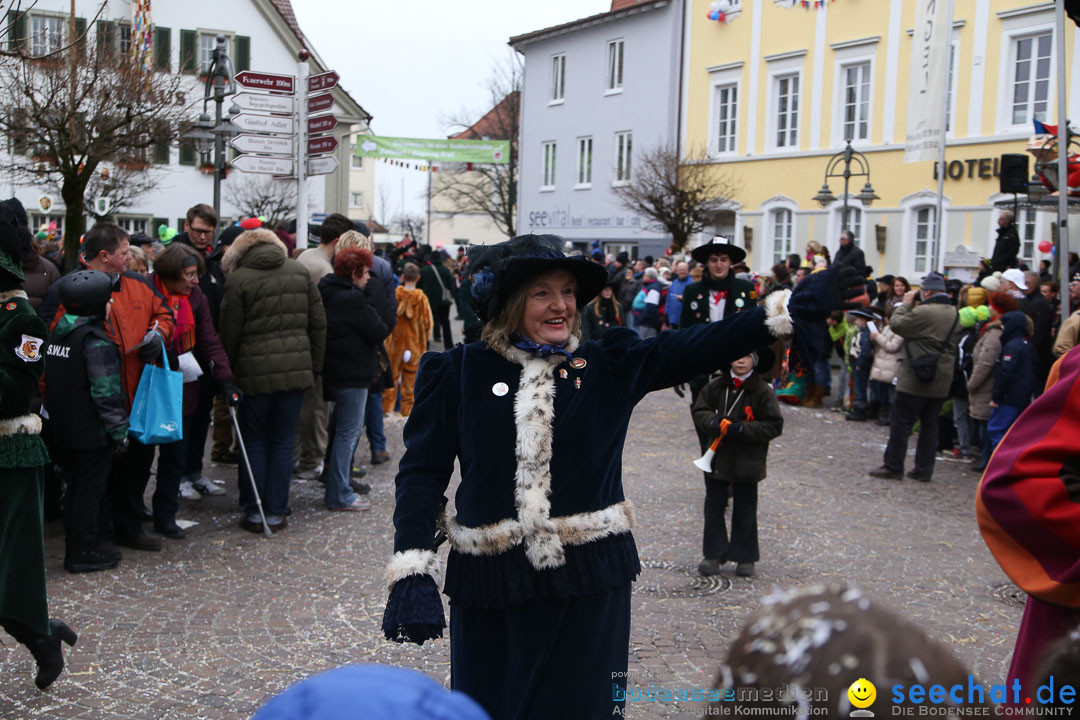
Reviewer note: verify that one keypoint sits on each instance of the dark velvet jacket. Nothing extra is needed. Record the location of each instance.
(519, 427)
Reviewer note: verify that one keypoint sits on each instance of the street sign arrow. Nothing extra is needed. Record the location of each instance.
(321, 123)
(265, 103)
(263, 144)
(264, 123)
(266, 81)
(322, 81)
(319, 103)
(263, 164)
(322, 165)
(321, 145)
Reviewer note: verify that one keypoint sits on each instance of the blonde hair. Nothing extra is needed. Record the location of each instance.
(354, 239)
(497, 330)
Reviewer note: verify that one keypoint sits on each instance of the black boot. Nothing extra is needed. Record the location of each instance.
(48, 653)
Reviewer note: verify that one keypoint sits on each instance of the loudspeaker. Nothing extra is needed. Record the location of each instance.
(1014, 173)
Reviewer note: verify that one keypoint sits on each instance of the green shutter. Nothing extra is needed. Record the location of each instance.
(80, 34)
(106, 37)
(188, 156)
(16, 29)
(161, 153)
(155, 224)
(162, 47)
(243, 53)
(188, 61)
(179, 224)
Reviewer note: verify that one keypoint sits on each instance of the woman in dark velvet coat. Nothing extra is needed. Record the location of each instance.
(541, 551)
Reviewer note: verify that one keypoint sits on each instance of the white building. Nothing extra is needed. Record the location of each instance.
(598, 92)
(262, 35)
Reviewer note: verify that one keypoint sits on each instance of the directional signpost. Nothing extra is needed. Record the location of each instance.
(264, 123)
(265, 103)
(320, 103)
(269, 144)
(322, 165)
(321, 124)
(263, 164)
(267, 81)
(322, 81)
(322, 144)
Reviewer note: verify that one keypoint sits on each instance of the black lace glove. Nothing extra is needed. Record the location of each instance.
(815, 297)
(232, 392)
(414, 611)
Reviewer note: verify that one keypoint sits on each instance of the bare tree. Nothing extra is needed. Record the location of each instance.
(83, 119)
(382, 203)
(678, 197)
(21, 44)
(484, 189)
(273, 199)
(411, 224)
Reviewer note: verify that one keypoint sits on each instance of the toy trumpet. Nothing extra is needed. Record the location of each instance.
(704, 462)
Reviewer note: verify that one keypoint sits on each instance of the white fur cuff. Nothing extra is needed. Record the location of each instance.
(413, 562)
(777, 318)
(23, 425)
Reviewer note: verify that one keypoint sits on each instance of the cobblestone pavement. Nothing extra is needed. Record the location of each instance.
(215, 624)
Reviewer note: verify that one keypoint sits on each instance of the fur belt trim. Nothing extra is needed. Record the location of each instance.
(777, 317)
(413, 562)
(577, 529)
(24, 425)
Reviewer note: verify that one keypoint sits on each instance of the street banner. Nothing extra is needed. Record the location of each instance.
(496, 152)
(926, 94)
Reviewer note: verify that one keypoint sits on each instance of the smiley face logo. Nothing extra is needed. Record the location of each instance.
(862, 693)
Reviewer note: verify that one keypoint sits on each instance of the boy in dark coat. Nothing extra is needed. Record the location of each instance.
(1014, 376)
(741, 410)
(861, 357)
(88, 416)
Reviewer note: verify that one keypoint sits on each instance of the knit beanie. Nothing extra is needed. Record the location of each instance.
(977, 296)
(992, 282)
(967, 317)
(1003, 302)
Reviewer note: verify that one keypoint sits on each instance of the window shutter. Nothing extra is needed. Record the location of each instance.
(106, 37)
(162, 47)
(80, 33)
(179, 224)
(188, 156)
(155, 224)
(188, 61)
(243, 53)
(16, 29)
(161, 153)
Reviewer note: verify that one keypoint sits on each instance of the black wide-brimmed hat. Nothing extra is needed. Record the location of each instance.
(719, 245)
(766, 360)
(498, 270)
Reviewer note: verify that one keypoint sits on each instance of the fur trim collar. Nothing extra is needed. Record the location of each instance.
(22, 425)
(12, 294)
(777, 317)
(230, 260)
(519, 357)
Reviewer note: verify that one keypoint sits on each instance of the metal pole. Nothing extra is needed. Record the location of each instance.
(939, 217)
(301, 153)
(219, 145)
(847, 178)
(1063, 164)
(428, 221)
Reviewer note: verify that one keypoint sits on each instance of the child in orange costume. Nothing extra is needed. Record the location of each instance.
(409, 339)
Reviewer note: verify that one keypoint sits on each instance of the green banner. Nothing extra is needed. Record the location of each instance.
(495, 152)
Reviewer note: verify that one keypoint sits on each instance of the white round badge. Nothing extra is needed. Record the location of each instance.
(739, 302)
(693, 305)
(500, 389)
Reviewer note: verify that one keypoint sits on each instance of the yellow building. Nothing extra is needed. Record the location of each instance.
(771, 95)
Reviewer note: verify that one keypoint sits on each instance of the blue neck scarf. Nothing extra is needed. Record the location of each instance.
(540, 351)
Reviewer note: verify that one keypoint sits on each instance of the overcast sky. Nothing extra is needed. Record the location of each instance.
(412, 65)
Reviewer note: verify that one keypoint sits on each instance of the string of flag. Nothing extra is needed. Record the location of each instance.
(411, 165)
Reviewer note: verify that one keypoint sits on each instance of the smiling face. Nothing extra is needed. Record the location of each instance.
(719, 265)
(550, 308)
(862, 693)
(899, 288)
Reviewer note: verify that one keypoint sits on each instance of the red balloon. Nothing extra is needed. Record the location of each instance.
(1045, 246)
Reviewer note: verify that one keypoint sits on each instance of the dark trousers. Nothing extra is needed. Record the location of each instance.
(442, 326)
(195, 433)
(982, 437)
(87, 515)
(743, 545)
(170, 470)
(861, 381)
(906, 410)
(268, 429)
(126, 487)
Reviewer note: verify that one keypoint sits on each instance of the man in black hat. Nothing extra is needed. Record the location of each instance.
(850, 253)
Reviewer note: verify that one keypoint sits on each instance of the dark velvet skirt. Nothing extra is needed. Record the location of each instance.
(22, 552)
(547, 658)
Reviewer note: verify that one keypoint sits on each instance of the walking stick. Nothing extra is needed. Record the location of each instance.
(251, 477)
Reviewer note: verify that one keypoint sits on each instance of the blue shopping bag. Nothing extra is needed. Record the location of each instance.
(157, 415)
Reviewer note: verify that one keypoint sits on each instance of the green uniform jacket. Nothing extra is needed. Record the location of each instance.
(741, 458)
(272, 323)
(925, 329)
(22, 453)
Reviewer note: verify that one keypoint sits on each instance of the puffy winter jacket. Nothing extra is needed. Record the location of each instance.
(887, 350)
(272, 322)
(353, 332)
(983, 357)
(1014, 370)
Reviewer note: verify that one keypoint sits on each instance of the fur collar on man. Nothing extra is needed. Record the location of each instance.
(246, 241)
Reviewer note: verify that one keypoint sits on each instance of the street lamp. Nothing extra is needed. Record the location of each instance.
(862, 169)
(210, 135)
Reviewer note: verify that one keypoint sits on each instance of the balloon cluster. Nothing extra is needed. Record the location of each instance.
(719, 9)
(1046, 246)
